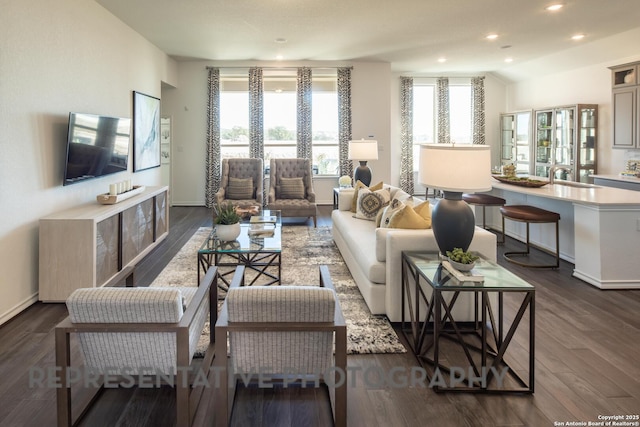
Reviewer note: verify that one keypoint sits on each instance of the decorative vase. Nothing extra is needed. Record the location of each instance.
(228, 232)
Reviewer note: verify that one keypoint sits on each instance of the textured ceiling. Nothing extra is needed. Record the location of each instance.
(410, 34)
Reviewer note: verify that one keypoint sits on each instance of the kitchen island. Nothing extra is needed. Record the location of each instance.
(599, 228)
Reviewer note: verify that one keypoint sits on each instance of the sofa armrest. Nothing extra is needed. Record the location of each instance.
(345, 196)
(484, 242)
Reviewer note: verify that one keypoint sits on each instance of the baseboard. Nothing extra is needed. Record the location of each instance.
(5, 317)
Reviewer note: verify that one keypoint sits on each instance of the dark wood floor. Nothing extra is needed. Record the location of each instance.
(587, 347)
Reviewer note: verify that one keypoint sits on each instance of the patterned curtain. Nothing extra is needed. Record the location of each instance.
(304, 91)
(406, 136)
(344, 119)
(212, 183)
(477, 114)
(256, 113)
(442, 89)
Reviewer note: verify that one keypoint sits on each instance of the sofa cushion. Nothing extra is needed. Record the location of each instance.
(358, 186)
(393, 207)
(415, 218)
(370, 202)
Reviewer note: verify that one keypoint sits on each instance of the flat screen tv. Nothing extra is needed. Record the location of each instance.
(96, 146)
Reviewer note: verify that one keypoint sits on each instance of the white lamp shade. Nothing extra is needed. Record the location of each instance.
(363, 150)
(456, 168)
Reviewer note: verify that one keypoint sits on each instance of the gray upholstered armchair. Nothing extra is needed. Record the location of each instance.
(280, 333)
(241, 182)
(135, 335)
(291, 188)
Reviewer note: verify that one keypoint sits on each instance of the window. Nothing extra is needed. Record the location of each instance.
(425, 112)
(324, 118)
(234, 117)
(280, 118)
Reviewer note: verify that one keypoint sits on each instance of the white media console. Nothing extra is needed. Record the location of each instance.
(89, 245)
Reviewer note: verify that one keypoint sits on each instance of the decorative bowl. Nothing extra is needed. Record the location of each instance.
(461, 267)
(520, 181)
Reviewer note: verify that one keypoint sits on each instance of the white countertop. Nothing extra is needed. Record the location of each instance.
(589, 196)
(618, 178)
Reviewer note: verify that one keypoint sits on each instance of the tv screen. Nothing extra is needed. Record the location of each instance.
(96, 146)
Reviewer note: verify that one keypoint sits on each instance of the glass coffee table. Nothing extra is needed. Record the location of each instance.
(258, 248)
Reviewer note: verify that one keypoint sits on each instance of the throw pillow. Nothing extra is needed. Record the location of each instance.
(408, 218)
(370, 202)
(424, 210)
(395, 206)
(291, 188)
(359, 185)
(239, 189)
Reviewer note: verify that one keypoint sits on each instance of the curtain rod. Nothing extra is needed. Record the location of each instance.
(208, 67)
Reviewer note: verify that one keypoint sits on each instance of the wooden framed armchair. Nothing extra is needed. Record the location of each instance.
(128, 335)
(284, 333)
(291, 188)
(241, 182)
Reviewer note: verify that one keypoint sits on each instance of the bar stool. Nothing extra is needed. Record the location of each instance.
(528, 215)
(485, 200)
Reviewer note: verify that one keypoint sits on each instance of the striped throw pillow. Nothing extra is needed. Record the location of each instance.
(291, 188)
(240, 188)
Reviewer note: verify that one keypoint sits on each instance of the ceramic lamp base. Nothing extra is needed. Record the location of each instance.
(362, 174)
(453, 223)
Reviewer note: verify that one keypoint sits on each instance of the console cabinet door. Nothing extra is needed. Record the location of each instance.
(162, 223)
(137, 230)
(107, 247)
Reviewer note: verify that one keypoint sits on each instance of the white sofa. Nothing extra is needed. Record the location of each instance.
(373, 256)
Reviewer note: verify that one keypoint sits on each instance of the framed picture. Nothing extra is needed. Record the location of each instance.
(633, 166)
(166, 154)
(146, 132)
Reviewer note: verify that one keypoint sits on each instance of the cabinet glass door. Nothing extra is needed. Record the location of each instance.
(523, 144)
(563, 144)
(544, 133)
(507, 138)
(586, 153)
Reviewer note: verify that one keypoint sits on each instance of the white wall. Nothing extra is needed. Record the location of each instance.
(586, 85)
(57, 57)
(186, 104)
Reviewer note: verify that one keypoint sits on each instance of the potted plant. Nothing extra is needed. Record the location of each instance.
(461, 260)
(227, 221)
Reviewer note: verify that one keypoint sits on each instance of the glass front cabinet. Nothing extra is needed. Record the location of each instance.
(566, 137)
(516, 140)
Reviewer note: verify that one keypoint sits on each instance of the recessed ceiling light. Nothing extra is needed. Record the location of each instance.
(279, 57)
(577, 37)
(278, 90)
(442, 59)
(554, 7)
(492, 37)
(508, 60)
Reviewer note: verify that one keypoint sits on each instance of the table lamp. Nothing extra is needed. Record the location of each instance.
(362, 151)
(454, 169)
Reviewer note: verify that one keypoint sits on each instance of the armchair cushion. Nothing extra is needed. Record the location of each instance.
(240, 188)
(134, 305)
(125, 305)
(279, 351)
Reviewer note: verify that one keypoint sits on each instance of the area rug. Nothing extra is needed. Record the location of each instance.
(303, 250)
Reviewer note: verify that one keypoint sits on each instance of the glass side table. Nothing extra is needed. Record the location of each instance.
(468, 356)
